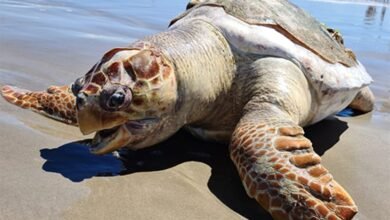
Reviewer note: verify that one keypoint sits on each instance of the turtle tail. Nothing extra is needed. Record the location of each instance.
(57, 102)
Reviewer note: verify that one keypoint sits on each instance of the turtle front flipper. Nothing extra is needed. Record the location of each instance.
(57, 102)
(281, 171)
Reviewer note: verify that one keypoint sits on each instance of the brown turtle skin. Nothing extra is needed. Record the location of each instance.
(57, 102)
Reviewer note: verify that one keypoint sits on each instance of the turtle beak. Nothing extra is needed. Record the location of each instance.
(89, 120)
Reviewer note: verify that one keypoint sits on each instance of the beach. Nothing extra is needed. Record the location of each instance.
(45, 175)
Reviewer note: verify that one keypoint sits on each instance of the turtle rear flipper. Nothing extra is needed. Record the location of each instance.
(364, 100)
(57, 102)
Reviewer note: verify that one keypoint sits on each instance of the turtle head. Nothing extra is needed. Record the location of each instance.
(126, 98)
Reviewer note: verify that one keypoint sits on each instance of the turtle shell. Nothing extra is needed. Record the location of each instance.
(288, 19)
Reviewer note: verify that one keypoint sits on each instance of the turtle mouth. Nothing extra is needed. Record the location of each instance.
(108, 140)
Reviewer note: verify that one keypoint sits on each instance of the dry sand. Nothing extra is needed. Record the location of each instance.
(44, 176)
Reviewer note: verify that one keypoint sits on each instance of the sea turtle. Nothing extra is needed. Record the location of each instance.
(248, 72)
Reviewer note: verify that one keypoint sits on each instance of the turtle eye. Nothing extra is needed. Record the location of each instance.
(116, 100)
(77, 85)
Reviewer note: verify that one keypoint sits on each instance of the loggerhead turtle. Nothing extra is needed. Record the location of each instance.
(248, 72)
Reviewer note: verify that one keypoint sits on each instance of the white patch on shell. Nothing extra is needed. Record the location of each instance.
(336, 84)
(266, 41)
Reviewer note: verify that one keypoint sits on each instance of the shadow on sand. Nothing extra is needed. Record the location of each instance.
(75, 162)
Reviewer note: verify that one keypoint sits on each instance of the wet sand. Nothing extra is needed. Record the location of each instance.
(46, 176)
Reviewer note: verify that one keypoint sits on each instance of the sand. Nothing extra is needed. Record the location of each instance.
(46, 176)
